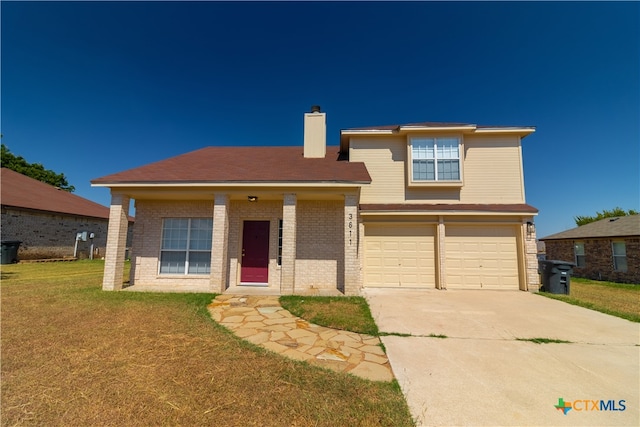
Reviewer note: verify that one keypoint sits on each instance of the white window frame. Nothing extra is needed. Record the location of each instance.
(619, 259)
(579, 256)
(187, 250)
(434, 182)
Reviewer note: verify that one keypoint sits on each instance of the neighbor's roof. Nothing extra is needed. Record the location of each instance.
(20, 191)
(220, 165)
(609, 227)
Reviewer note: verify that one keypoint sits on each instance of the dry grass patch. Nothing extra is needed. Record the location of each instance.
(346, 313)
(75, 355)
(617, 299)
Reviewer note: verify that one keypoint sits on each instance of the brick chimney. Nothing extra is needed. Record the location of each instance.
(315, 133)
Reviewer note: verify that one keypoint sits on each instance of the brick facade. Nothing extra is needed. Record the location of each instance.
(147, 243)
(313, 244)
(319, 247)
(598, 258)
(532, 278)
(116, 242)
(350, 223)
(53, 235)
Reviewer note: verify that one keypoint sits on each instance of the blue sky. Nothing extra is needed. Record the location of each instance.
(90, 88)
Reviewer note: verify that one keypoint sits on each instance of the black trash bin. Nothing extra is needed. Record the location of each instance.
(556, 276)
(10, 251)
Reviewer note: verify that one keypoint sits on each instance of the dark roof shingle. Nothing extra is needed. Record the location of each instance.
(609, 227)
(421, 124)
(433, 125)
(244, 164)
(20, 191)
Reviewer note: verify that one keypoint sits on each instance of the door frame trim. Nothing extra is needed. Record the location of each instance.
(241, 245)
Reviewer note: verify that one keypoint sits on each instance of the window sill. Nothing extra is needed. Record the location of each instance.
(182, 276)
(435, 184)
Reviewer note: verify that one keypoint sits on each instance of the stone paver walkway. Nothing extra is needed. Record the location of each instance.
(262, 321)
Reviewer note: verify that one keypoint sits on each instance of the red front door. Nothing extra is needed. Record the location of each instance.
(255, 253)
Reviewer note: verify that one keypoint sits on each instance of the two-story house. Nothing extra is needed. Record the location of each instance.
(423, 205)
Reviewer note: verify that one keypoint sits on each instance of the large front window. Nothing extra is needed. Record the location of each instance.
(435, 159)
(186, 246)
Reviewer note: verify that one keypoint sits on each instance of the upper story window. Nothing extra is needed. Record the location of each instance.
(578, 250)
(435, 160)
(186, 246)
(619, 256)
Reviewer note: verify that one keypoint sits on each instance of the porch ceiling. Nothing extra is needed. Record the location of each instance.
(236, 194)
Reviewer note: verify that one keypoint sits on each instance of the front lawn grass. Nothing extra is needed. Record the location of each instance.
(616, 299)
(346, 313)
(72, 354)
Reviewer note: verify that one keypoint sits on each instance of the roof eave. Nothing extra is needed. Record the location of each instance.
(522, 131)
(174, 184)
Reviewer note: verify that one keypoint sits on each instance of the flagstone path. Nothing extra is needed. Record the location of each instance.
(262, 321)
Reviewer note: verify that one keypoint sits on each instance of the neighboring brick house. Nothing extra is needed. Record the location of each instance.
(426, 205)
(608, 249)
(47, 219)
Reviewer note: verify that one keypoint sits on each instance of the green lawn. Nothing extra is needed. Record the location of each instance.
(617, 299)
(74, 355)
(346, 313)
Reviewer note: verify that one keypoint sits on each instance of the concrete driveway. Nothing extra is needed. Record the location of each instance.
(482, 375)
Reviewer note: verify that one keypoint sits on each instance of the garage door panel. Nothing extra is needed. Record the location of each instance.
(391, 262)
(410, 263)
(399, 256)
(376, 261)
(390, 246)
(481, 257)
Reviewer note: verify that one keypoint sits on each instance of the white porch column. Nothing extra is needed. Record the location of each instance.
(441, 276)
(220, 244)
(351, 237)
(289, 227)
(116, 242)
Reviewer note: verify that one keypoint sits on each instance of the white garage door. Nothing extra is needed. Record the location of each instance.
(399, 256)
(481, 257)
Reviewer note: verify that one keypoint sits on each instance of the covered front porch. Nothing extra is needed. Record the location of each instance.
(262, 241)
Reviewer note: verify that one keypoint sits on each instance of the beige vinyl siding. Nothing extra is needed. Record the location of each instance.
(384, 158)
(481, 257)
(492, 170)
(399, 256)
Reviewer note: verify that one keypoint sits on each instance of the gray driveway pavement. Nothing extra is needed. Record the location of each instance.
(481, 374)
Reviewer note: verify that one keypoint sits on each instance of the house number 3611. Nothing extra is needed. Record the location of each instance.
(350, 227)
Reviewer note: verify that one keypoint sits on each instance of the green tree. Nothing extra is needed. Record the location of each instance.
(34, 170)
(617, 211)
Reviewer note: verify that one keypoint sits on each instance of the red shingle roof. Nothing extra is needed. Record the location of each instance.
(244, 164)
(20, 191)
